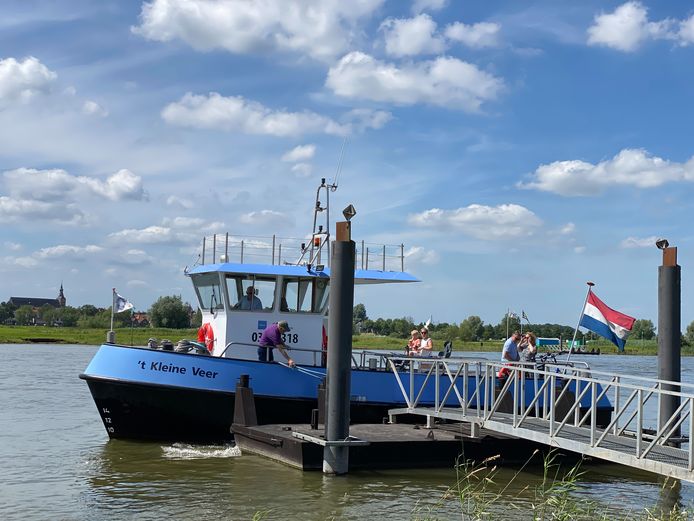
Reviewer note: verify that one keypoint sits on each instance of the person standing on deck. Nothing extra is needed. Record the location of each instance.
(510, 351)
(271, 338)
(426, 345)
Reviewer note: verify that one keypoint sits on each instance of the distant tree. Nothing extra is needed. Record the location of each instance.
(68, 316)
(169, 312)
(24, 315)
(471, 328)
(101, 320)
(197, 319)
(642, 329)
(689, 335)
(358, 315)
(88, 310)
(6, 311)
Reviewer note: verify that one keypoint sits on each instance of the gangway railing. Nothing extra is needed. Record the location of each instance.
(558, 404)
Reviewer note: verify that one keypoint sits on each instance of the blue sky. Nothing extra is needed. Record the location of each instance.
(516, 149)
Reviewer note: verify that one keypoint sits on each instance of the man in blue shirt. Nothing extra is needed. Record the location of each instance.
(272, 337)
(510, 351)
(250, 301)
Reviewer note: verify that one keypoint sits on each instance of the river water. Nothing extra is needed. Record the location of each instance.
(56, 462)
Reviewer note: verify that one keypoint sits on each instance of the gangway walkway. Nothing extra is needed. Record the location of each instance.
(559, 405)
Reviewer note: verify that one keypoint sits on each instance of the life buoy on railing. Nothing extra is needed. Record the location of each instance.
(206, 336)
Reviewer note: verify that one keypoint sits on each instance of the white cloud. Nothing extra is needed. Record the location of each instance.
(135, 283)
(419, 255)
(302, 169)
(300, 153)
(631, 167)
(567, 229)
(628, 27)
(234, 113)
(67, 250)
(12, 246)
(92, 108)
(22, 210)
(321, 29)
(264, 217)
(506, 221)
(579, 249)
(174, 200)
(428, 5)
(412, 36)
(23, 80)
(148, 235)
(362, 119)
(636, 242)
(479, 35)
(444, 81)
(58, 185)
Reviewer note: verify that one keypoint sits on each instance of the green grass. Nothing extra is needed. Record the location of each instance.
(96, 336)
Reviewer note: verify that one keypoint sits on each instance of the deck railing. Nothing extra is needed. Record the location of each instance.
(276, 250)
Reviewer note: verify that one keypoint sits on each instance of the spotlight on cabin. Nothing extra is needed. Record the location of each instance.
(661, 244)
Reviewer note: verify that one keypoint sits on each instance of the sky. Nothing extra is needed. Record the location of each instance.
(516, 149)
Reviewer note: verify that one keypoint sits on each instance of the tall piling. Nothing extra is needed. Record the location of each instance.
(336, 457)
(669, 331)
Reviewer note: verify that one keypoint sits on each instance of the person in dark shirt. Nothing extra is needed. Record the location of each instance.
(271, 338)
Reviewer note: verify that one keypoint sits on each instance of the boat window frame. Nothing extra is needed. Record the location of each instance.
(240, 290)
(318, 290)
(221, 306)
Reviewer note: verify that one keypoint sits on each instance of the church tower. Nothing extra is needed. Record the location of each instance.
(61, 297)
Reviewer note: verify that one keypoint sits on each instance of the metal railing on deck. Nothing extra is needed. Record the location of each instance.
(293, 250)
(471, 391)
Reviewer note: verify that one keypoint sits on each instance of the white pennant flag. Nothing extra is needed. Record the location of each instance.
(120, 303)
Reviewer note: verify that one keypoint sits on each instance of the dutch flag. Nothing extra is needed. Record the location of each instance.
(605, 321)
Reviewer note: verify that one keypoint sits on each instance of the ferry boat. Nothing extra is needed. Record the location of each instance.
(152, 393)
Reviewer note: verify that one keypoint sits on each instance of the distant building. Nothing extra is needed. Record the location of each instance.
(37, 302)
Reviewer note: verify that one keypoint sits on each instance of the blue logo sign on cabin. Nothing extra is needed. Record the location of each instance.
(262, 324)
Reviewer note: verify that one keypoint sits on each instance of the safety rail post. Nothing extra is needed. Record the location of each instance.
(552, 382)
(241, 251)
(617, 394)
(465, 385)
(367, 258)
(593, 411)
(273, 249)
(203, 250)
(402, 257)
(577, 411)
(226, 247)
(690, 466)
(384, 257)
(214, 248)
(411, 382)
(279, 254)
(515, 400)
(437, 405)
(537, 402)
(639, 424)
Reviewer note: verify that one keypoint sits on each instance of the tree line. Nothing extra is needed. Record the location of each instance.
(473, 328)
(167, 311)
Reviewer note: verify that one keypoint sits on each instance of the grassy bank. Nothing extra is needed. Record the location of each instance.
(76, 335)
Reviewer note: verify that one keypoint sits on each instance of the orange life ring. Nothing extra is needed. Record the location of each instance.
(206, 336)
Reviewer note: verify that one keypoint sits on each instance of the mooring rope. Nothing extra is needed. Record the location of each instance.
(312, 374)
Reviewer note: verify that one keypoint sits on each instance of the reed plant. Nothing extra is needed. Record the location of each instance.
(556, 497)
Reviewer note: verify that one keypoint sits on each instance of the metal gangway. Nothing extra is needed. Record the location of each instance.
(559, 405)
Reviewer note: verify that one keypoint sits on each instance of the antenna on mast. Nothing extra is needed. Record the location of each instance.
(340, 162)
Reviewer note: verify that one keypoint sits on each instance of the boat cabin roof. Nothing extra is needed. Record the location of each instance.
(360, 276)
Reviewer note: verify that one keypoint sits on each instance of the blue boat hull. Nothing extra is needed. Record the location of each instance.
(162, 395)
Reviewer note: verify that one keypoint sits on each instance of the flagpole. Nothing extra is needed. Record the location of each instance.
(583, 309)
(111, 336)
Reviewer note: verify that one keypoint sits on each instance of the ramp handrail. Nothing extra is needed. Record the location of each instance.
(473, 389)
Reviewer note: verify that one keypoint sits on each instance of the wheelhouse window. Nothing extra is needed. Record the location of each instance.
(250, 293)
(304, 295)
(209, 291)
